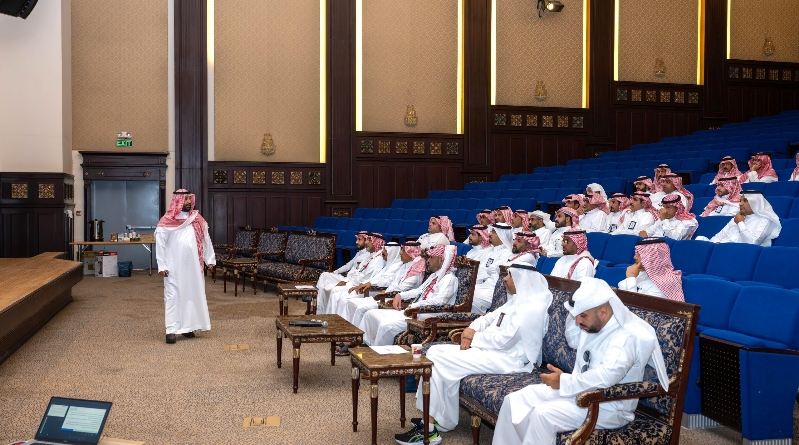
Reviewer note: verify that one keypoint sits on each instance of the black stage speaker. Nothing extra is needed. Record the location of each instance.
(17, 8)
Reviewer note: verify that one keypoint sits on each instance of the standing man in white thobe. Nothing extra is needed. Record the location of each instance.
(182, 248)
(504, 341)
(613, 346)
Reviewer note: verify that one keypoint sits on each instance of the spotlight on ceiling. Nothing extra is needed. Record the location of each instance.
(549, 6)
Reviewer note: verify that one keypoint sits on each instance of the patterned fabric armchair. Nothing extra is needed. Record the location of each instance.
(243, 247)
(305, 257)
(271, 246)
(659, 412)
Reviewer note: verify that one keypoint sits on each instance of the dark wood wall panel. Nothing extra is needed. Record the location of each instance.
(514, 154)
(382, 182)
(756, 88)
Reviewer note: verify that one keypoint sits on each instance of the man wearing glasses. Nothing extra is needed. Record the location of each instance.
(613, 346)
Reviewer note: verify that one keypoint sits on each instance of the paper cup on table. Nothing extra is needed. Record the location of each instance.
(416, 350)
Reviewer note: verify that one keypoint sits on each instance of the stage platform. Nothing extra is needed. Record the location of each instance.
(32, 291)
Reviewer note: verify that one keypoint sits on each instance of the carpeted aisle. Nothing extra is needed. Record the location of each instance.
(109, 345)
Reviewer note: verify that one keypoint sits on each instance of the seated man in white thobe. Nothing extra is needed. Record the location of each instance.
(574, 202)
(380, 326)
(795, 174)
(520, 220)
(503, 214)
(504, 341)
(671, 184)
(594, 187)
(390, 253)
(486, 217)
(373, 243)
(409, 276)
(641, 216)
(760, 169)
(653, 273)
(576, 262)
(501, 239)
(675, 222)
(613, 346)
(479, 240)
(619, 207)
(541, 224)
(526, 249)
(182, 249)
(728, 168)
(328, 280)
(565, 219)
(727, 200)
(439, 231)
(756, 223)
(596, 217)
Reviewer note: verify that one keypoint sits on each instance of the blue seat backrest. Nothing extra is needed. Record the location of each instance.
(611, 275)
(575, 162)
(538, 170)
(354, 224)
(709, 225)
(469, 204)
(509, 193)
(700, 202)
(381, 213)
(410, 214)
(508, 177)
(785, 174)
(777, 265)
(734, 261)
(695, 165)
(781, 205)
(789, 235)
(485, 186)
(516, 185)
(547, 195)
(717, 298)
(379, 225)
(486, 203)
(426, 214)
(421, 227)
(458, 216)
(394, 226)
(438, 204)
(739, 153)
(449, 194)
(620, 249)
(398, 204)
(556, 168)
(707, 178)
(572, 166)
(572, 174)
(524, 203)
(409, 227)
(759, 186)
(779, 164)
(434, 194)
(366, 224)
(781, 188)
(569, 183)
(691, 256)
(359, 213)
(614, 185)
(769, 313)
(554, 175)
(697, 189)
(341, 223)
(546, 264)
(627, 165)
(471, 186)
(533, 184)
(597, 242)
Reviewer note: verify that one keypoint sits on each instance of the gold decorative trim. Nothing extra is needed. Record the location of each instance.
(435, 148)
(760, 73)
(621, 94)
(577, 122)
(296, 178)
(341, 213)
(367, 147)
(19, 191)
(476, 421)
(220, 176)
(651, 96)
(259, 177)
(747, 73)
(516, 120)
(356, 373)
(546, 121)
(278, 177)
(418, 148)
(46, 191)
(665, 96)
(773, 74)
(279, 332)
(315, 178)
(296, 352)
(239, 177)
(373, 391)
(693, 97)
(532, 120)
(500, 119)
(636, 95)
(563, 121)
(679, 97)
(311, 232)
(384, 146)
(452, 148)
(374, 373)
(426, 387)
(402, 147)
(786, 74)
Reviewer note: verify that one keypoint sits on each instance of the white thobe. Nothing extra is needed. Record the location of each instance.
(673, 228)
(585, 266)
(727, 209)
(327, 304)
(494, 350)
(595, 221)
(635, 222)
(543, 234)
(429, 240)
(641, 284)
(356, 308)
(794, 177)
(554, 247)
(475, 253)
(754, 229)
(380, 326)
(185, 306)
(752, 177)
(657, 197)
(341, 294)
(328, 280)
(613, 221)
(484, 291)
(535, 414)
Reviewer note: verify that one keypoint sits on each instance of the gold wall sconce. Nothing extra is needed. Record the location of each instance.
(540, 91)
(768, 47)
(268, 147)
(411, 119)
(660, 67)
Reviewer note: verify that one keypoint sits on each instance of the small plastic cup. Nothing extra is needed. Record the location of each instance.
(416, 350)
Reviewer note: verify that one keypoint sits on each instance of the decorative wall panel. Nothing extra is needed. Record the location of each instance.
(119, 74)
(762, 89)
(410, 57)
(522, 153)
(530, 49)
(266, 80)
(750, 25)
(666, 29)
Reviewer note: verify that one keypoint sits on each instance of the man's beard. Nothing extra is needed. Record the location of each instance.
(186, 207)
(593, 329)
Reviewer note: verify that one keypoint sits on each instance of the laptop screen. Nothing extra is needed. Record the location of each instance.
(73, 421)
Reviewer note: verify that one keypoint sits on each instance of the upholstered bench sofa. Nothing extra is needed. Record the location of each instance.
(305, 255)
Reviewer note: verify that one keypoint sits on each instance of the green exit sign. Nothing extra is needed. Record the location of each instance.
(124, 143)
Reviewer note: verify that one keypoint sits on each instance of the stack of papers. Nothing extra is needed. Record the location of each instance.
(304, 287)
(392, 349)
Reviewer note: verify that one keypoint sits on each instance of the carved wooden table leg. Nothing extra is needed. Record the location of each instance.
(279, 348)
(224, 279)
(280, 297)
(373, 394)
(254, 284)
(307, 304)
(426, 407)
(402, 401)
(296, 364)
(313, 304)
(356, 384)
(332, 353)
(235, 282)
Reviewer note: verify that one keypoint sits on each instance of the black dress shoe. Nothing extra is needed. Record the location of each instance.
(188, 334)
(170, 339)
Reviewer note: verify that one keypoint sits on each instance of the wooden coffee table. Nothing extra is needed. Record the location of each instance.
(375, 366)
(286, 290)
(337, 330)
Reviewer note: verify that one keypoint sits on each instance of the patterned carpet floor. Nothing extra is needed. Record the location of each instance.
(109, 345)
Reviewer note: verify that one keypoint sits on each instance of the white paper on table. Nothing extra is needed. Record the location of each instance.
(392, 349)
(304, 287)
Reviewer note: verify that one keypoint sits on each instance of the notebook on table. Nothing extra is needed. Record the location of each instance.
(72, 422)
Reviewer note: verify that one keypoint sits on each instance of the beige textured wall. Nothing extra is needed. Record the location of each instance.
(751, 23)
(530, 49)
(410, 57)
(119, 74)
(266, 79)
(658, 28)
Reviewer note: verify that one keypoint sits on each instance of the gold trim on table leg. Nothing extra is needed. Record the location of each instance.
(426, 387)
(296, 352)
(373, 391)
(356, 373)
(279, 334)
(476, 421)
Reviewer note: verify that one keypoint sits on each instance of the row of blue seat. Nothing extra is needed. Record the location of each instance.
(782, 175)
(769, 189)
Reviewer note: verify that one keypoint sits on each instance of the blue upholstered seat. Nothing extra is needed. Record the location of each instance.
(611, 275)
(789, 236)
(597, 242)
(620, 249)
(710, 225)
(780, 188)
(691, 256)
(734, 261)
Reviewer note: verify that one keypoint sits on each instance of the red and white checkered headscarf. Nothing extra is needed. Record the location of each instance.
(624, 201)
(524, 216)
(733, 173)
(484, 235)
(796, 170)
(600, 203)
(647, 204)
(506, 212)
(491, 218)
(418, 265)
(446, 226)
(170, 220)
(361, 234)
(574, 215)
(377, 240)
(532, 240)
(656, 187)
(677, 181)
(682, 214)
(579, 238)
(646, 180)
(656, 258)
(733, 186)
(765, 166)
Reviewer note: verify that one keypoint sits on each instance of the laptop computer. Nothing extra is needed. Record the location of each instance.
(72, 422)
